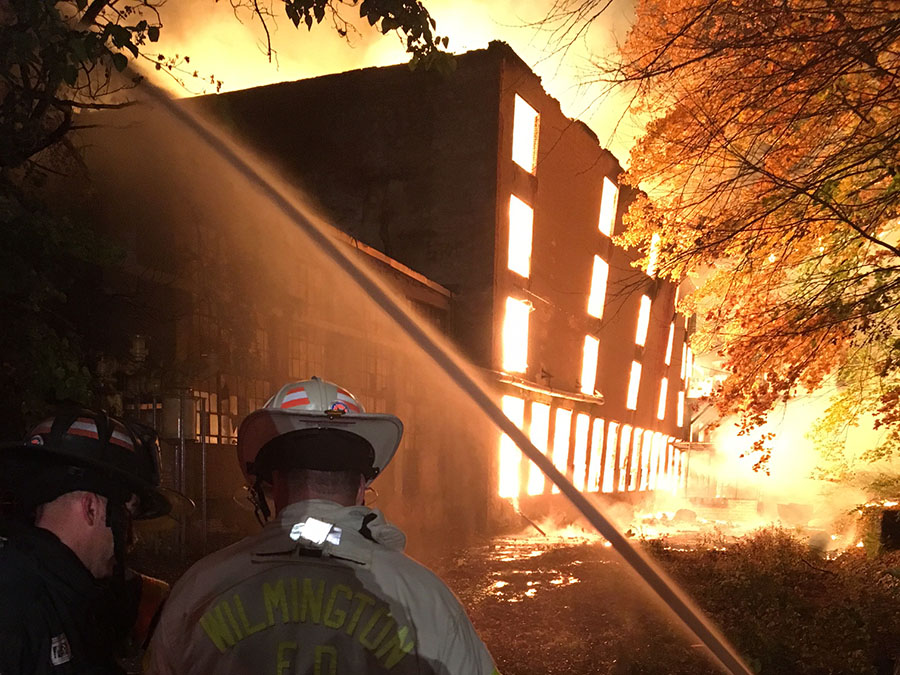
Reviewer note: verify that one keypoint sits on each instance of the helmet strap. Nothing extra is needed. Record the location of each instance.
(117, 521)
(257, 497)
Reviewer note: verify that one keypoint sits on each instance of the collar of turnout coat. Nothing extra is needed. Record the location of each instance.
(323, 528)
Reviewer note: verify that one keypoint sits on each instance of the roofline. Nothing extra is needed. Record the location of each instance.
(387, 260)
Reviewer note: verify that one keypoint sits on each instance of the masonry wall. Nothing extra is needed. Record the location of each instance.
(241, 305)
(404, 161)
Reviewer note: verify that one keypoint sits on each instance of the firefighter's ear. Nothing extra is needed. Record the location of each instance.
(92, 507)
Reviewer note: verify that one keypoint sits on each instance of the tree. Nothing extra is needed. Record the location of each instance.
(58, 57)
(772, 162)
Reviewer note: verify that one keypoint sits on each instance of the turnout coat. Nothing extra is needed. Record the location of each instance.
(55, 618)
(322, 590)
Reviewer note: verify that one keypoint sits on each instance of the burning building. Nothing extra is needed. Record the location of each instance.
(494, 213)
(480, 182)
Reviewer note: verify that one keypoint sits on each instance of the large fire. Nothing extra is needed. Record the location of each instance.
(630, 459)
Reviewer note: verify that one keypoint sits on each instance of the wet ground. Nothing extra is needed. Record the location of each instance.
(562, 605)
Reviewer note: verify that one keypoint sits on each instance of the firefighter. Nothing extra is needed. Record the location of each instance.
(325, 587)
(78, 479)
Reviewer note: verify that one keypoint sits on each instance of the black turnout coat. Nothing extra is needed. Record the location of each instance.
(54, 615)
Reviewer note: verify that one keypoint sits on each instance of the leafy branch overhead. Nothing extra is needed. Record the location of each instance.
(408, 17)
(772, 163)
(57, 57)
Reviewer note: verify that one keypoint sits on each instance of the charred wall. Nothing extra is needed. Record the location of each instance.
(402, 160)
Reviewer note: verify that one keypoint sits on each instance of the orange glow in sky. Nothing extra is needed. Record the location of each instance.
(232, 50)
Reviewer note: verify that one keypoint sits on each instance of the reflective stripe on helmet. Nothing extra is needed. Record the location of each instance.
(294, 397)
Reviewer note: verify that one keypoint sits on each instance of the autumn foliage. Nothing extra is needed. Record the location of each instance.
(772, 169)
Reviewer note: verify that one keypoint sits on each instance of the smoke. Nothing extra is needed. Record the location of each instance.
(230, 47)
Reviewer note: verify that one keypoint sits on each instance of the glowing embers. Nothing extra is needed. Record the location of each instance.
(589, 365)
(634, 385)
(609, 201)
(514, 551)
(582, 427)
(599, 277)
(515, 335)
(539, 435)
(561, 441)
(521, 222)
(679, 420)
(526, 126)
(520, 585)
(643, 322)
(595, 470)
(663, 398)
(510, 456)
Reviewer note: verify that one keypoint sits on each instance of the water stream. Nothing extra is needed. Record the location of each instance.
(263, 179)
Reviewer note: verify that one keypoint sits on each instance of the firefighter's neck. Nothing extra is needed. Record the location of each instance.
(287, 489)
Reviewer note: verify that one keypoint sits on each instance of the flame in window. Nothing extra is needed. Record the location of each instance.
(646, 456)
(515, 336)
(539, 434)
(689, 368)
(596, 463)
(663, 397)
(510, 455)
(561, 441)
(679, 420)
(673, 466)
(634, 385)
(589, 365)
(609, 200)
(624, 452)
(643, 322)
(597, 297)
(609, 468)
(526, 125)
(582, 427)
(670, 343)
(657, 459)
(634, 461)
(521, 221)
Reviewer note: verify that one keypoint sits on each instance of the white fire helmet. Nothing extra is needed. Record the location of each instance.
(314, 405)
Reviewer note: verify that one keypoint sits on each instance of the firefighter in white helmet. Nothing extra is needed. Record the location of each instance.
(323, 589)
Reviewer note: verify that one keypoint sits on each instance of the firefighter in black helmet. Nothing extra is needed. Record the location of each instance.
(80, 478)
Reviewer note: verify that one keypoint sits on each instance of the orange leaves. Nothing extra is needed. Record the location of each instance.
(772, 159)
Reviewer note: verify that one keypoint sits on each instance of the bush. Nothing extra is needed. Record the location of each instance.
(789, 611)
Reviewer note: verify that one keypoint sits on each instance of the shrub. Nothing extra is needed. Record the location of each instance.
(790, 612)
